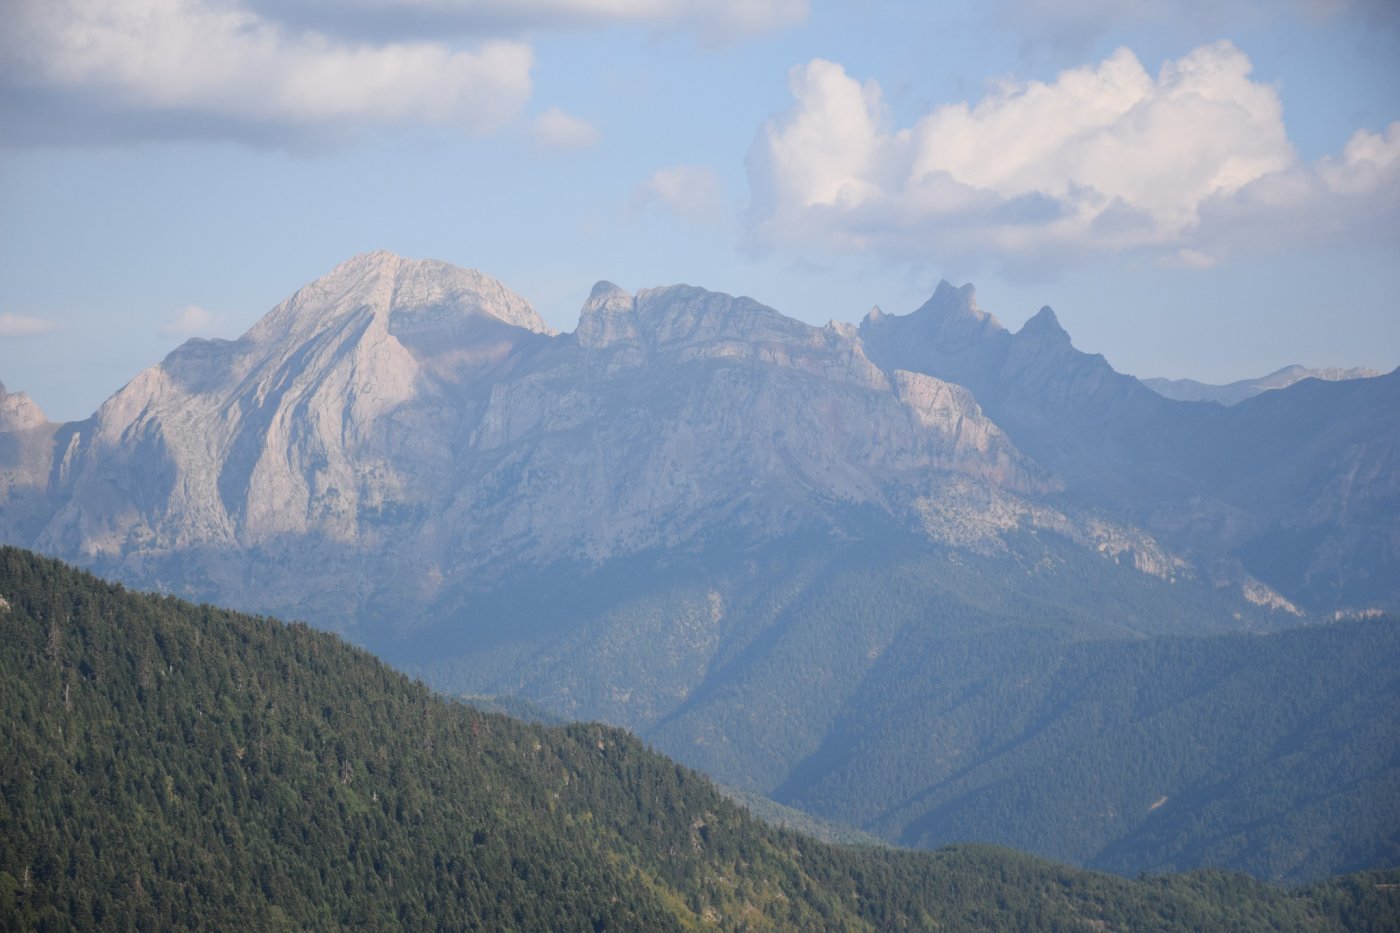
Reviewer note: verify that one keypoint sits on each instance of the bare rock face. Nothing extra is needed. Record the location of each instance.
(231, 444)
(26, 452)
(1293, 487)
(679, 410)
(608, 318)
(18, 412)
(400, 429)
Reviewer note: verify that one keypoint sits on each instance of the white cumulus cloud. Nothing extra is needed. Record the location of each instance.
(1350, 198)
(23, 325)
(223, 63)
(1106, 158)
(555, 129)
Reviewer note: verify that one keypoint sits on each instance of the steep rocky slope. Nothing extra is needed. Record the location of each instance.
(399, 429)
(26, 456)
(1296, 486)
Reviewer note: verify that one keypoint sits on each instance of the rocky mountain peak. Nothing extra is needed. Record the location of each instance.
(399, 397)
(1044, 325)
(842, 329)
(952, 313)
(19, 412)
(607, 317)
(943, 329)
(606, 294)
(401, 295)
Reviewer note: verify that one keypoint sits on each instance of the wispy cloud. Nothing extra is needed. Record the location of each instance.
(555, 129)
(1106, 158)
(190, 321)
(23, 325)
(693, 192)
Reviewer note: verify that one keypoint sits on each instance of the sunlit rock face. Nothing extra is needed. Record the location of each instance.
(409, 425)
(401, 430)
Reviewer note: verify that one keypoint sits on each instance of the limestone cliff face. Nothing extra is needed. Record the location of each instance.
(26, 452)
(404, 428)
(18, 412)
(281, 432)
(400, 431)
(679, 411)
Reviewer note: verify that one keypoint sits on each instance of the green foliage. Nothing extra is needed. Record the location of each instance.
(1276, 754)
(1044, 698)
(177, 766)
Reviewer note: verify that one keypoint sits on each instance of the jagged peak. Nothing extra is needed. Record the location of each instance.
(949, 310)
(19, 412)
(952, 301)
(950, 316)
(843, 329)
(1044, 324)
(946, 291)
(607, 296)
(607, 317)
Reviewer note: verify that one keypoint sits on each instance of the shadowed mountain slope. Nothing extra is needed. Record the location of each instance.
(1299, 486)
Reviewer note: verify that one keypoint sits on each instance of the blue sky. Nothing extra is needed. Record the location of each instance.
(1199, 189)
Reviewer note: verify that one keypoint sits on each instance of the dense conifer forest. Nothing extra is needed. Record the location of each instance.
(171, 765)
(929, 697)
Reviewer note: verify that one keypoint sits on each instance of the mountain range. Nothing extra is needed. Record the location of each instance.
(888, 573)
(1189, 390)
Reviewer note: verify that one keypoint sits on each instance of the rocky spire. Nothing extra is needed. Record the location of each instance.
(608, 317)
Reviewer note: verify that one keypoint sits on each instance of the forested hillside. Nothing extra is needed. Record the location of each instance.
(932, 697)
(170, 765)
(1274, 754)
